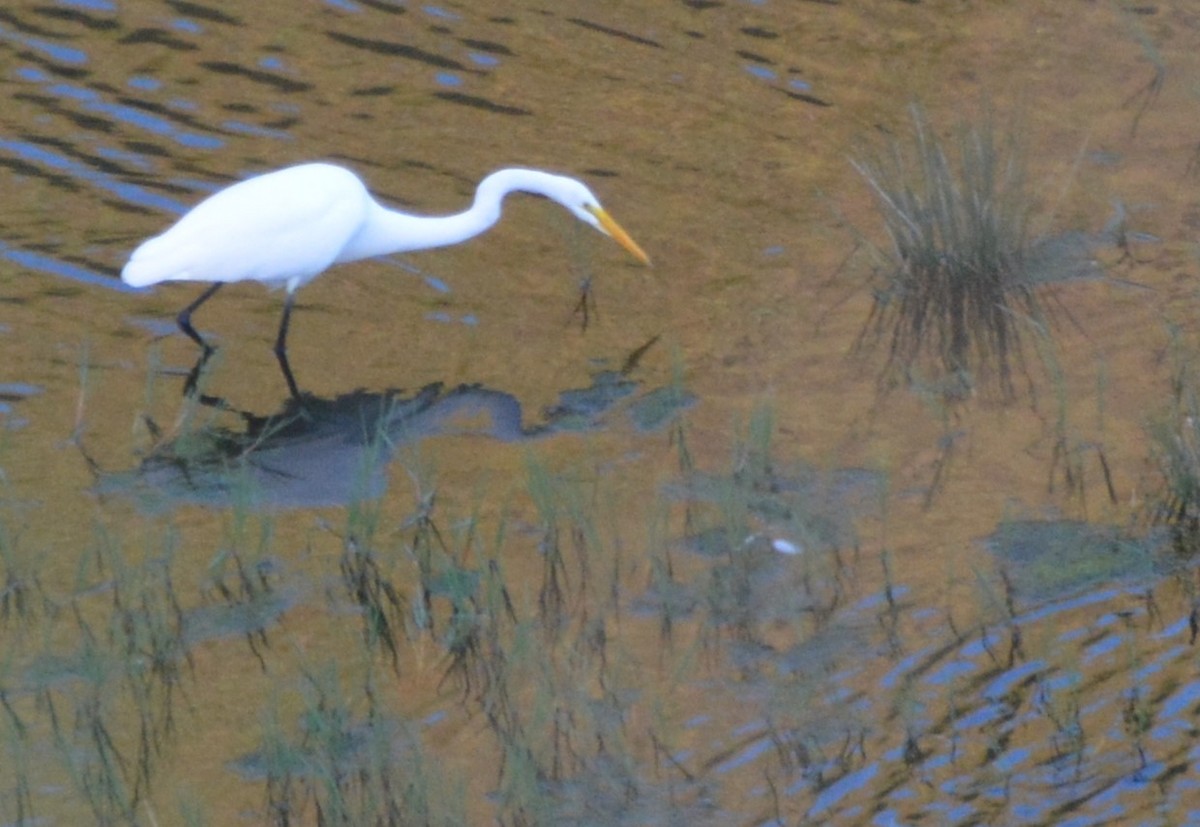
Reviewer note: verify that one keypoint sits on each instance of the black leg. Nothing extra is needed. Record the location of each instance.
(190, 386)
(281, 345)
(184, 319)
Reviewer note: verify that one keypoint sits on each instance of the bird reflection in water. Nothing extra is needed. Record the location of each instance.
(315, 452)
(321, 452)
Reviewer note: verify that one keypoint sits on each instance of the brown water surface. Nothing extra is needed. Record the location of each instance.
(179, 579)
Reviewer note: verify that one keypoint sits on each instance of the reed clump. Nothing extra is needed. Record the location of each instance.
(953, 297)
(1175, 451)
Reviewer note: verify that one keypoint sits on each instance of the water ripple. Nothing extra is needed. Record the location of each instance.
(55, 267)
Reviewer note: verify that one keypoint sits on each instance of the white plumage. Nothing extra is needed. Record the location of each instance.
(285, 228)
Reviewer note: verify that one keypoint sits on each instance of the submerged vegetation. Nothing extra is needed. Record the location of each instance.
(711, 665)
(1175, 443)
(574, 717)
(954, 299)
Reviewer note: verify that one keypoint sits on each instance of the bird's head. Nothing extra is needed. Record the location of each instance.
(576, 197)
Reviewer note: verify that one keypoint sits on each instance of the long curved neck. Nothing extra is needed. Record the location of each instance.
(388, 231)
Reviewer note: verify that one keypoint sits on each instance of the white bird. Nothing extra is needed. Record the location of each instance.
(285, 228)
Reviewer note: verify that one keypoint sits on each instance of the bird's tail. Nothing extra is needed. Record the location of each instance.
(148, 266)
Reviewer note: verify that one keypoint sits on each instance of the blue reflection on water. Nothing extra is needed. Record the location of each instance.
(1175, 629)
(135, 117)
(761, 72)
(344, 5)
(1170, 656)
(484, 60)
(438, 11)
(436, 283)
(184, 25)
(93, 5)
(1101, 648)
(1183, 701)
(55, 51)
(1004, 684)
(199, 185)
(124, 156)
(91, 100)
(872, 601)
(980, 717)
(749, 727)
(990, 640)
(834, 793)
(128, 192)
(429, 279)
(442, 316)
(950, 672)
(32, 73)
(448, 79)
(898, 672)
(49, 264)
(19, 389)
(144, 83)
(1083, 600)
(744, 757)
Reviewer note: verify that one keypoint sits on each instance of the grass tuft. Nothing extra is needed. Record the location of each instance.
(954, 294)
(1175, 447)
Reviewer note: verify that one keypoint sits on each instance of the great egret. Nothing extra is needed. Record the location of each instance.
(284, 228)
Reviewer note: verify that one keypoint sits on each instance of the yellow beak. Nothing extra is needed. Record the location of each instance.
(620, 236)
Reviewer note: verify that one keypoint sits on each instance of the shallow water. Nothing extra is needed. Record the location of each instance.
(527, 561)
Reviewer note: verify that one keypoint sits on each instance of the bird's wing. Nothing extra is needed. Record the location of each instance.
(283, 227)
